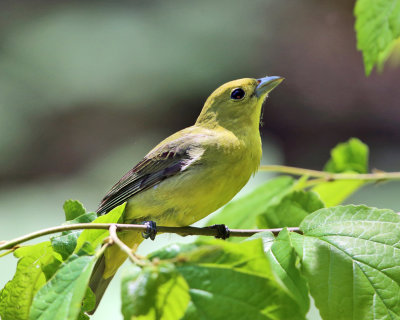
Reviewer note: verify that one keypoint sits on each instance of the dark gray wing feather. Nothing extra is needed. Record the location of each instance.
(147, 173)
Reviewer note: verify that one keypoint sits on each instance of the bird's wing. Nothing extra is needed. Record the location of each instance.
(160, 164)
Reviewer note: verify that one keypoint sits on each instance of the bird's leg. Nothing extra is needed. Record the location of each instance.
(151, 230)
(222, 231)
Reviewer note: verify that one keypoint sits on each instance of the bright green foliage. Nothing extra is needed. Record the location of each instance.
(347, 157)
(96, 237)
(65, 243)
(88, 304)
(61, 298)
(350, 257)
(290, 211)
(266, 237)
(243, 213)
(156, 292)
(377, 27)
(284, 264)
(83, 316)
(227, 281)
(36, 264)
(281, 201)
(335, 192)
(350, 156)
(348, 260)
(73, 209)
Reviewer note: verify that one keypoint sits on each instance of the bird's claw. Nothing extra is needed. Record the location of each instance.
(151, 230)
(222, 231)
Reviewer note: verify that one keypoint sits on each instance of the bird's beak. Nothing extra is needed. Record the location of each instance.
(267, 84)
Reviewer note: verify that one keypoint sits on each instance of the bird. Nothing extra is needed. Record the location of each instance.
(193, 172)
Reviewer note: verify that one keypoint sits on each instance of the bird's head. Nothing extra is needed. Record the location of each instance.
(237, 103)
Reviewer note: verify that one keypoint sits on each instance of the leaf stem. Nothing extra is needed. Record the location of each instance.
(183, 231)
(375, 176)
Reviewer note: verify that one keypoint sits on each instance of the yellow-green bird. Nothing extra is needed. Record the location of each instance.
(193, 172)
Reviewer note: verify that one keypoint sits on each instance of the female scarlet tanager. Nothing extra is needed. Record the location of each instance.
(191, 173)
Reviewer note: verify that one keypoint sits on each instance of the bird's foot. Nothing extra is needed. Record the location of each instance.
(222, 231)
(151, 230)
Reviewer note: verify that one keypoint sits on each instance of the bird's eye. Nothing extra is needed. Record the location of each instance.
(237, 94)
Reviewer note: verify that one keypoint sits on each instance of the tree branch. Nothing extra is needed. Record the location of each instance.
(375, 176)
(183, 231)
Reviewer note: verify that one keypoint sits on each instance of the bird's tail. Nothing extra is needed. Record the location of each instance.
(97, 283)
(108, 264)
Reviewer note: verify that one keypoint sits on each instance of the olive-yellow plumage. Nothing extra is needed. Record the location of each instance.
(193, 172)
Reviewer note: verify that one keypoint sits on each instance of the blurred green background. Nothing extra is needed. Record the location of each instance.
(88, 87)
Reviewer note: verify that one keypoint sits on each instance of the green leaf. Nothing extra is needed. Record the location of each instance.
(36, 264)
(73, 209)
(61, 298)
(248, 254)
(219, 293)
(290, 211)
(242, 213)
(89, 301)
(283, 260)
(335, 192)
(229, 280)
(174, 250)
(350, 157)
(351, 258)
(83, 316)
(88, 304)
(377, 27)
(96, 236)
(266, 237)
(157, 292)
(65, 243)
(85, 218)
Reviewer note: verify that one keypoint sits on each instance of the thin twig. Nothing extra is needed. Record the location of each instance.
(123, 246)
(313, 182)
(183, 231)
(376, 176)
(8, 251)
